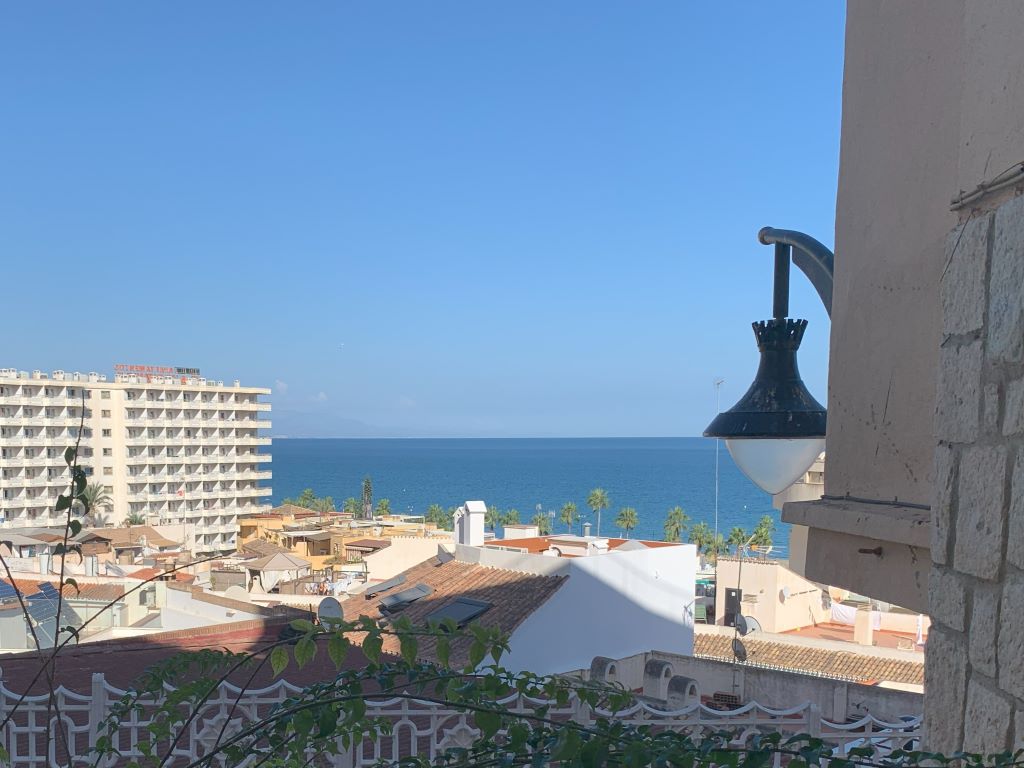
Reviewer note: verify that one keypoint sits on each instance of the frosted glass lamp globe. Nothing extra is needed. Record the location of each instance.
(774, 464)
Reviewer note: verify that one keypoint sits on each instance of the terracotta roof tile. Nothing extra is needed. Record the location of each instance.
(846, 665)
(368, 543)
(104, 592)
(537, 544)
(124, 659)
(513, 595)
(262, 548)
(128, 537)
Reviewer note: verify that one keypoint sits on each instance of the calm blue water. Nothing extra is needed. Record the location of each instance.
(650, 474)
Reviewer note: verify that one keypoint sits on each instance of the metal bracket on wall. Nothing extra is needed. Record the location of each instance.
(814, 259)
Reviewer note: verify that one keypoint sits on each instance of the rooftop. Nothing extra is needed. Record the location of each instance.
(128, 536)
(262, 548)
(513, 596)
(101, 592)
(844, 633)
(368, 544)
(123, 660)
(824, 662)
(536, 545)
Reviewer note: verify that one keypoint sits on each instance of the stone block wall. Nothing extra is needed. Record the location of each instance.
(974, 672)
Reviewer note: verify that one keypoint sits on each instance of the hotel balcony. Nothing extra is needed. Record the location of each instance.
(61, 421)
(21, 440)
(18, 421)
(23, 400)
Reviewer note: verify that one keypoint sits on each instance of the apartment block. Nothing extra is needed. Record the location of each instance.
(165, 443)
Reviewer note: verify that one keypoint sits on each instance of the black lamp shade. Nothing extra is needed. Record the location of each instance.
(777, 405)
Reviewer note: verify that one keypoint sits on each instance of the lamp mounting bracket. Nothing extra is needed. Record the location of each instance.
(814, 260)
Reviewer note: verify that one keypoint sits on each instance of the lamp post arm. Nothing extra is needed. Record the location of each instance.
(814, 259)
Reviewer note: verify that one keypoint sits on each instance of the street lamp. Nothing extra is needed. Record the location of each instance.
(777, 429)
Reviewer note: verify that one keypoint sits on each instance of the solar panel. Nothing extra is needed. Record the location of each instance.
(461, 610)
(396, 602)
(48, 590)
(384, 586)
(7, 592)
(43, 612)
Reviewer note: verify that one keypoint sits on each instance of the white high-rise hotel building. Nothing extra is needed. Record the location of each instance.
(165, 443)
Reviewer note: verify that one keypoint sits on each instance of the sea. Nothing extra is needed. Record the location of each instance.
(651, 475)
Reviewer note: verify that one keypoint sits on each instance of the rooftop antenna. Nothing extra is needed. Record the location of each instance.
(719, 381)
(741, 626)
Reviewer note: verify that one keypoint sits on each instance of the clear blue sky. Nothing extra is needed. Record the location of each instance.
(444, 218)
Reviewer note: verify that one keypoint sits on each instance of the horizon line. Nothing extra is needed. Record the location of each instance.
(489, 437)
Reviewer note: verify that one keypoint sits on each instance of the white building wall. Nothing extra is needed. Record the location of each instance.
(178, 450)
(611, 605)
(403, 554)
(179, 610)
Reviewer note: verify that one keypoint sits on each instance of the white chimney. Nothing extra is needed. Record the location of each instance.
(469, 523)
(586, 529)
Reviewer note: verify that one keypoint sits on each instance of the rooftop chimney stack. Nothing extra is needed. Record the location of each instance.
(469, 523)
(586, 529)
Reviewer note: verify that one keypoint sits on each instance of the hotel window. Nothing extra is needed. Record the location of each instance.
(72, 392)
(105, 414)
(108, 489)
(107, 433)
(28, 412)
(108, 470)
(105, 394)
(108, 451)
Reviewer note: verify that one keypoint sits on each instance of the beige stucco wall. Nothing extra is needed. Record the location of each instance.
(926, 356)
(403, 554)
(898, 171)
(762, 582)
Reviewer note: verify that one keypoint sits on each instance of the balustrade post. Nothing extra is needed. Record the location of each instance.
(97, 708)
(814, 719)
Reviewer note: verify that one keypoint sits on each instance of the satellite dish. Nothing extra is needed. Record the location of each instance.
(236, 592)
(739, 651)
(329, 611)
(784, 594)
(741, 625)
(753, 625)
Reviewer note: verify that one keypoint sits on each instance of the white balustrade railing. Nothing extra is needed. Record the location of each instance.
(419, 727)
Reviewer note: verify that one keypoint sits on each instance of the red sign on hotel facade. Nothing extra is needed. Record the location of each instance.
(155, 370)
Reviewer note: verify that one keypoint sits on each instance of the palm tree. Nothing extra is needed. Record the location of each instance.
(543, 523)
(510, 517)
(351, 506)
(717, 546)
(367, 498)
(96, 497)
(435, 515)
(383, 507)
(763, 532)
(676, 523)
(737, 538)
(492, 517)
(135, 518)
(597, 501)
(701, 535)
(569, 515)
(626, 520)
